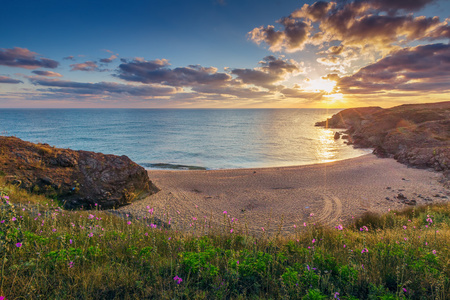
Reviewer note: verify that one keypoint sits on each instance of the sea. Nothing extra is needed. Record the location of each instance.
(186, 139)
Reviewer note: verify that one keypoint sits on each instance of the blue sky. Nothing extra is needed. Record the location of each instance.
(227, 53)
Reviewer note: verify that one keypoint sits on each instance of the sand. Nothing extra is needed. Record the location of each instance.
(279, 198)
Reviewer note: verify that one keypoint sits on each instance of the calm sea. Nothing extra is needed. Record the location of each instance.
(176, 138)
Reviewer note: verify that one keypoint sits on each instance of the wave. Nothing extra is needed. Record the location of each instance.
(171, 166)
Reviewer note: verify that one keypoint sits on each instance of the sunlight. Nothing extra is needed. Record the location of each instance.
(322, 85)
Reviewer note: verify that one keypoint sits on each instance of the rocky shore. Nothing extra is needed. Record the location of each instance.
(415, 134)
(77, 178)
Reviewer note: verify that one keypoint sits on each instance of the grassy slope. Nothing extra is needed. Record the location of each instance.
(95, 255)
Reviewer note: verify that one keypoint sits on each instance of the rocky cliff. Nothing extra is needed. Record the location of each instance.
(77, 178)
(414, 134)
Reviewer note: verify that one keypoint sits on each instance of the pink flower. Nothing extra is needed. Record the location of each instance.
(313, 241)
(434, 252)
(340, 227)
(177, 279)
(70, 241)
(18, 245)
(231, 230)
(311, 215)
(364, 250)
(364, 228)
(129, 222)
(262, 228)
(224, 212)
(304, 224)
(13, 219)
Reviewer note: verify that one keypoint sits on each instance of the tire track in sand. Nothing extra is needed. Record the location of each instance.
(331, 211)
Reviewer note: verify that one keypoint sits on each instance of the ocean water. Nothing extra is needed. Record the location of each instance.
(183, 139)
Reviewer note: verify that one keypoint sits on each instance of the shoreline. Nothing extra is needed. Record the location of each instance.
(285, 197)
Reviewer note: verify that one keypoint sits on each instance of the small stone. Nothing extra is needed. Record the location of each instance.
(388, 188)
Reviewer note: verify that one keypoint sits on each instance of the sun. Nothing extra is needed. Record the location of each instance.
(321, 85)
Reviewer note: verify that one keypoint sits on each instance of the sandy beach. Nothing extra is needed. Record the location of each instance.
(284, 197)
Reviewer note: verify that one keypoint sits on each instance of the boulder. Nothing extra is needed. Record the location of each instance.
(76, 178)
(337, 135)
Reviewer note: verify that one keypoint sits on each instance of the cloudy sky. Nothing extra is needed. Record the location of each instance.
(223, 53)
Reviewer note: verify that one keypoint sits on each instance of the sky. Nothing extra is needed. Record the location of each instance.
(223, 53)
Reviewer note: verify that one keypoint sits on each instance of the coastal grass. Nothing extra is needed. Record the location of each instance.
(50, 253)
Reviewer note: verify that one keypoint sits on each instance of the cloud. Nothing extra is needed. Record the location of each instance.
(108, 60)
(156, 71)
(6, 79)
(382, 24)
(46, 73)
(71, 87)
(24, 58)
(88, 66)
(271, 71)
(420, 68)
(292, 38)
(69, 57)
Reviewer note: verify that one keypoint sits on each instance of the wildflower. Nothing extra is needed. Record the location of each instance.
(237, 262)
(345, 246)
(91, 234)
(429, 220)
(54, 229)
(307, 266)
(340, 227)
(146, 234)
(336, 295)
(13, 219)
(18, 245)
(177, 279)
(91, 216)
(405, 239)
(364, 250)
(295, 226)
(434, 252)
(404, 227)
(71, 264)
(194, 218)
(3, 221)
(262, 228)
(231, 230)
(129, 222)
(304, 224)
(364, 228)
(313, 241)
(405, 290)
(70, 241)
(311, 215)
(224, 212)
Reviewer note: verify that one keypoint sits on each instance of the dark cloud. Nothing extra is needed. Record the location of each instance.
(88, 66)
(381, 24)
(46, 73)
(410, 69)
(157, 72)
(71, 87)
(24, 58)
(408, 5)
(6, 79)
(272, 70)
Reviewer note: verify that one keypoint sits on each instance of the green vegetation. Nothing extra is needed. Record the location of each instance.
(49, 253)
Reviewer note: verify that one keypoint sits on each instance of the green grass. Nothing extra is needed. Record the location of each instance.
(49, 253)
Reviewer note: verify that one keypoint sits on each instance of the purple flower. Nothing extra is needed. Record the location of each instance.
(18, 245)
(224, 212)
(434, 252)
(129, 223)
(405, 290)
(70, 241)
(177, 279)
(13, 219)
(364, 250)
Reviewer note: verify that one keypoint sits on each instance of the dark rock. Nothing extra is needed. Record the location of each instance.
(345, 136)
(414, 134)
(400, 196)
(337, 135)
(76, 178)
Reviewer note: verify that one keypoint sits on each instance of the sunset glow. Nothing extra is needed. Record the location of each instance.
(213, 55)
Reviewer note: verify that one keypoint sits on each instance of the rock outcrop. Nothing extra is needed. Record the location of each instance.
(76, 178)
(415, 134)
